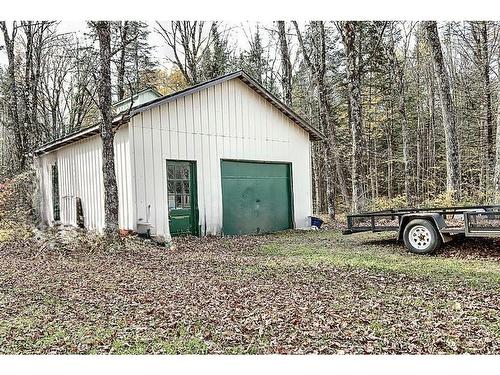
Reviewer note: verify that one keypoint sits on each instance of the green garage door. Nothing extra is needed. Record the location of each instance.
(256, 197)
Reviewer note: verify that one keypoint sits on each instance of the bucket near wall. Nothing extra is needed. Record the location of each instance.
(316, 222)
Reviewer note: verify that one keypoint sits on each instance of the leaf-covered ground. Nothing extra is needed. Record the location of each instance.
(295, 292)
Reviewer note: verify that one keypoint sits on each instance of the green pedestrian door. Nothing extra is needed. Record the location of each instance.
(256, 197)
(182, 202)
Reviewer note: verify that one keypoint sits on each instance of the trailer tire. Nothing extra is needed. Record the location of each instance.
(421, 237)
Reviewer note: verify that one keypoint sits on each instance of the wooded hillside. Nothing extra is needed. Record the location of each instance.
(410, 110)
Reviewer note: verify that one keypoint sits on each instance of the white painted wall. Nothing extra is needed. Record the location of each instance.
(225, 121)
(43, 167)
(80, 175)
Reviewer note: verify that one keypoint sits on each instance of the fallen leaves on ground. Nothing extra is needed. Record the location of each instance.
(228, 295)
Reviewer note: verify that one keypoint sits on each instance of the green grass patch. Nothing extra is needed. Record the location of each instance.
(379, 258)
(182, 345)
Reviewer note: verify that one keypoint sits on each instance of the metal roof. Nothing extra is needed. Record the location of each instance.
(77, 136)
(70, 138)
(136, 94)
(244, 77)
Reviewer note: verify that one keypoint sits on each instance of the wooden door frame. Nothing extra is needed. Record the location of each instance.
(195, 227)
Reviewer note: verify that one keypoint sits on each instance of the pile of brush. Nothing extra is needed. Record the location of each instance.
(17, 208)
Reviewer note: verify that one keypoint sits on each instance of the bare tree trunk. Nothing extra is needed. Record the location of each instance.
(329, 145)
(449, 120)
(496, 181)
(479, 31)
(390, 153)
(420, 130)
(488, 110)
(316, 189)
(497, 159)
(35, 77)
(330, 152)
(34, 36)
(399, 88)
(107, 132)
(188, 44)
(121, 64)
(369, 149)
(375, 165)
(286, 65)
(418, 158)
(407, 158)
(432, 172)
(13, 93)
(28, 31)
(354, 88)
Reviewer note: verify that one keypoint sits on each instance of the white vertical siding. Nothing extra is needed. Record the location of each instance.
(225, 121)
(79, 167)
(123, 178)
(44, 173)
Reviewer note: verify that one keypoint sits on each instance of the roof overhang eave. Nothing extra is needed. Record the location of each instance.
(78, 136)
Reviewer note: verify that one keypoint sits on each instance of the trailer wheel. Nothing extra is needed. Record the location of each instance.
(421, 237)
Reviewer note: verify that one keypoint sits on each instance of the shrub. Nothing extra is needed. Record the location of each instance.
(384, 203)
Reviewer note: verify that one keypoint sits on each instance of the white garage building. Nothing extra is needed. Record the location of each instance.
(222, 157)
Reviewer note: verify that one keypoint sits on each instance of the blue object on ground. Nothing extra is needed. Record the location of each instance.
(316, 222)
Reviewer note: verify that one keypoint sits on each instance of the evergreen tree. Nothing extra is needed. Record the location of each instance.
(253, 60)
(216, 61)
(134, 60)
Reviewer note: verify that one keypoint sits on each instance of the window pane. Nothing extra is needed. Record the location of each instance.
(55, 193)
(178, 187)
(171, 201)
(170, 188)
(178, 172)
(170, 172)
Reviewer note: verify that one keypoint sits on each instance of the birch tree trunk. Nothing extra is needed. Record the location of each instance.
(449, 120)
(107, 132)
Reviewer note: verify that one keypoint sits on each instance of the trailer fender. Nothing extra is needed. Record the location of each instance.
(433, 217)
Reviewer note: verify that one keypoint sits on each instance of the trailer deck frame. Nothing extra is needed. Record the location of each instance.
(476, 221)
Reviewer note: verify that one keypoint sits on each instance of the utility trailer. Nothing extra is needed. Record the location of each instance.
(424, 230)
